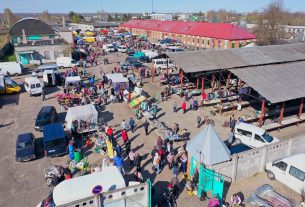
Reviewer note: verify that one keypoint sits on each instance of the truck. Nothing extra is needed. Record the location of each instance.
(65, 62)
(11, 68)
(106, 188)
(7, 85)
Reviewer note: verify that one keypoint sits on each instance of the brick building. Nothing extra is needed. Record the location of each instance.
(195, 34)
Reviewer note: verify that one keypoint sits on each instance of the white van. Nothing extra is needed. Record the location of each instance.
(289, 171)
(162, 63)
(65, 62)
(11, 68)
(49, 78)
(252, 136)
(108, 48)
(39, 71)
(122, 48)
(33, 86)
(78, 191)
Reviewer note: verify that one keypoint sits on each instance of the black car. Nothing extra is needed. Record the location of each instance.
(130, 52)
(25, 147)
(144, 59)
(131, 59)
(46, 115)
(137, 64)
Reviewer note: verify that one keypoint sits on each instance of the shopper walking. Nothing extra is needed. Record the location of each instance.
(124, 136)
(175, 106)
(132, 124)
(198, 120)
(146, 125)
(183, 106)
(131, 157)
(156, 163)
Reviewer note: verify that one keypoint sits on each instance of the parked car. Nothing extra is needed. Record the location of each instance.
(130, 52)
(122, 48)
(33, 86)
(46, 115)
(144, 59)
(289, 171)
(11, 68)
(25, 147)
(137, 64)
(126, 66)
(131, 59)
(54, 140)
(163, 63)
(252, 136)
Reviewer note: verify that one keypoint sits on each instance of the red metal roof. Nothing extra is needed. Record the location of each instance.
(203, 29)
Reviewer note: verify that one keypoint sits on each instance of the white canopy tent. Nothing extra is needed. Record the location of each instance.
(72, 80)
(87, 113)
(117, 78)
(208, 147)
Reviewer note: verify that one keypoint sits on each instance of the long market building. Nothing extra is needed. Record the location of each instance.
(273, 77)
(195, 34)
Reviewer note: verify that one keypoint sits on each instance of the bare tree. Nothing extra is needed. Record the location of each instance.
(9, 17)
(267, 30)
(45, 15)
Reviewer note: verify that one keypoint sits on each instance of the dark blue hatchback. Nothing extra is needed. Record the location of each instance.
(25, 147)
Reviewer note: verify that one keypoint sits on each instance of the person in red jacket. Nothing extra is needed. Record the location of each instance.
(124, 136)
(110, 133)
(183, 106)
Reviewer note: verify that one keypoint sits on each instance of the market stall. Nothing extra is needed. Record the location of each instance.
(86, 116)
(118, 80)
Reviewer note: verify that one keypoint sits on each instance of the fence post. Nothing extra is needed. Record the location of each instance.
(289, 147)
(234, 170)
(263, 159)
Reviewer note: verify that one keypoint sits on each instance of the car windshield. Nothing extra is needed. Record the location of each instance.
(56, 142)
(25, 144)
(267, 137)
(42, 117)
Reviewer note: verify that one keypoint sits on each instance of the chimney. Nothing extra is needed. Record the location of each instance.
(24, 40)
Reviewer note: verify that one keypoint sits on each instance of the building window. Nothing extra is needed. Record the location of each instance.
(226, 44)
(219, 44)
(197, 40)
(233, 44)
(208, 41)
(47, 55)
(202, 40)
(193, 39)
(240, 43)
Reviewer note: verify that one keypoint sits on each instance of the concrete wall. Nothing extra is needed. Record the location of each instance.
(67, 36)
(247, 163)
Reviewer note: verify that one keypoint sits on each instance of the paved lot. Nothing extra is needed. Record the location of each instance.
(23, 184)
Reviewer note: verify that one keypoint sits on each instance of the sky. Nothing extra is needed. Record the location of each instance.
(139, 6)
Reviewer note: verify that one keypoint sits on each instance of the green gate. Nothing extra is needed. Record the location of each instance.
(210, 181)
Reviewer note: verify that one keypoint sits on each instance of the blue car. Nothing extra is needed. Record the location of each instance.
(25, 147)
(55, 140)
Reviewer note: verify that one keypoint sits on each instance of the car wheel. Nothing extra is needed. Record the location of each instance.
(270, 175)
(237, 141)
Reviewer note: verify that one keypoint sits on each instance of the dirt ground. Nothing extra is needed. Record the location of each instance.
(23, 184)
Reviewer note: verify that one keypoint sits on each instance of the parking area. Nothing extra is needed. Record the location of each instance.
(23, 184)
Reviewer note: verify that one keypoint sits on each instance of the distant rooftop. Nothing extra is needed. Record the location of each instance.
(31, 26)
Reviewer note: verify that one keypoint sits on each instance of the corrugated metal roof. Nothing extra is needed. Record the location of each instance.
(277, 83)
(208, 60)
(202, 29)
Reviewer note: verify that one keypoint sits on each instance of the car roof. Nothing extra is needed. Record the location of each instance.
(32, 80)
(46, 109)
(24, 137)
(47, 66)
(296, 160)
(250, 127)
(53, 131)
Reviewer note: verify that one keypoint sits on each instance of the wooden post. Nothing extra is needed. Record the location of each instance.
(152, 72)
(197, 83)
(282, 113)
(212, 83)
(228, 81)
(301, 108)
(202, 86)
(262, 113)
(181, 83)
(219, 85)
